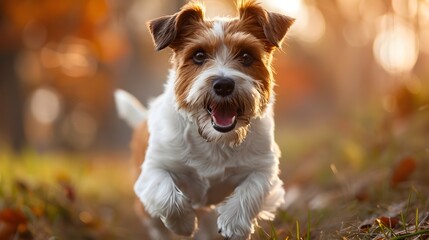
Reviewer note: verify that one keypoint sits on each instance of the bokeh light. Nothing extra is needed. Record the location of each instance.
(292, 8)
(76, 58)
(396, 45)
(45, 105)
(309, 23)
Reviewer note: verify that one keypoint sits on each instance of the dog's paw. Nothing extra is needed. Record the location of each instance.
(232, 227)
(181, 223)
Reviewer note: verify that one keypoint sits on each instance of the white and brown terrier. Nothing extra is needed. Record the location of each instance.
(210, 135)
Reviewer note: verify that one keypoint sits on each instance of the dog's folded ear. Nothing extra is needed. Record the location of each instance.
(169, 29)
(274, 25)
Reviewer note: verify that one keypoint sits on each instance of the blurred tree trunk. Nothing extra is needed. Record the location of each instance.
(11, 102)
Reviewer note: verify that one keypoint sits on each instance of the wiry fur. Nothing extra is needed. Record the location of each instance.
(188, 163)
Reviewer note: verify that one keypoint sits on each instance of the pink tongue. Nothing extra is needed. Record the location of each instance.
(224, 117)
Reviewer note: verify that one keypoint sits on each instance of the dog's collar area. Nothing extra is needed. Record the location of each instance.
(223, 119)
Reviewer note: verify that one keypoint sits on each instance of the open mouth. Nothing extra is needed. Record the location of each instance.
(224, 118)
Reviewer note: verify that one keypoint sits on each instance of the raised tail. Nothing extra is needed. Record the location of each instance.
(129, 108)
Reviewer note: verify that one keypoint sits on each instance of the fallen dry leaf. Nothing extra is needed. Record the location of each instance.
(12, 216)
(403, 171)
(13, 220)
(69, 192)
(390, 222)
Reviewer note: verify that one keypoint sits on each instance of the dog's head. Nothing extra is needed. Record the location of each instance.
(223, 65)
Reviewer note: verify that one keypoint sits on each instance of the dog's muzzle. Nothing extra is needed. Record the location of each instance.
(223, 116)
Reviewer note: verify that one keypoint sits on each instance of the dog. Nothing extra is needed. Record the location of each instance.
(210, 134)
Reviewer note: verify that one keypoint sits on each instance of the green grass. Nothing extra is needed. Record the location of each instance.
(77, 197)
(66, 197)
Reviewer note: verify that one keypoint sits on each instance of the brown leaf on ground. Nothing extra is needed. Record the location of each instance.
(12, 216)
(13, 220)
(403, 171)
(390, 222)
(69, 192)
(7, 231)
(68, 189)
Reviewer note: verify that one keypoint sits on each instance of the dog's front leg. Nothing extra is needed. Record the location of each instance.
(162, 198)
(238, 213)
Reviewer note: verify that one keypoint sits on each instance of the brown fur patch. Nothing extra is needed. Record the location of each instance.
(138, 146)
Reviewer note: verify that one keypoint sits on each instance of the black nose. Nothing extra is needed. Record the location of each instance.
(223, 86)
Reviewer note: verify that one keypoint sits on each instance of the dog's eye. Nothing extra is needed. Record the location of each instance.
(246, 59)
(199, 57)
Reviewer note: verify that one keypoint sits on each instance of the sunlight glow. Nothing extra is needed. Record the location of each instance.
(45, 105)
(291, 8)
(310, 23)
(396, 46)
(76, 58)
(311, 26)
(405, 8)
